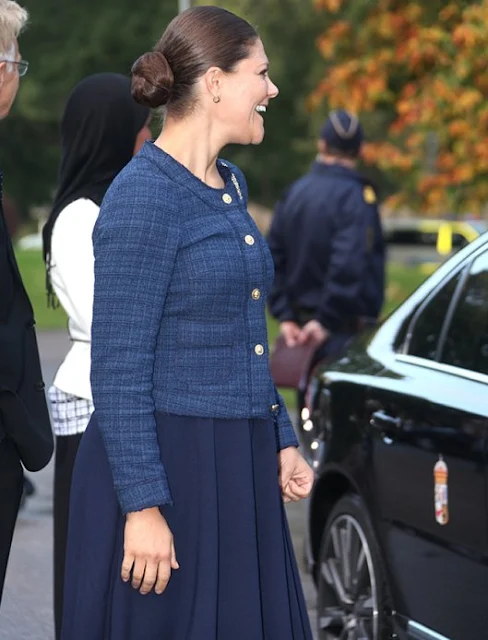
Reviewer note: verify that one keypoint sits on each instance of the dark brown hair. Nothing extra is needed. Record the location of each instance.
(194, 41)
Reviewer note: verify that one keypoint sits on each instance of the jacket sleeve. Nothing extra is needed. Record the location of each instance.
(341, 292)
(75, 258)
(135, 247)
(278, 302)
(285, 433)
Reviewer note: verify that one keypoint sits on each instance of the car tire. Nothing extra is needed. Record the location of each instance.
(352, 595)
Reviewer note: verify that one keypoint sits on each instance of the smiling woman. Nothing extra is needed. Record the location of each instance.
(247, 92)
(232, 73)
(181, 475)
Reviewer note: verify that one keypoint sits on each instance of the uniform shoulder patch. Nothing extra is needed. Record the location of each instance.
(369, 195)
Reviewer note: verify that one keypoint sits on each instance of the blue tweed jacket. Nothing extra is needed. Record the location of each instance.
(181, 279)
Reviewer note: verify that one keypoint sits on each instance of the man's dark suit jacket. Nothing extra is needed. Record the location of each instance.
(24, 415)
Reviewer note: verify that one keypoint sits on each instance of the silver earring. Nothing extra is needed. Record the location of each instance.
(216, 99)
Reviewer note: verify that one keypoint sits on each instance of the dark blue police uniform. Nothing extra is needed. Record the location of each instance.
(328, 252)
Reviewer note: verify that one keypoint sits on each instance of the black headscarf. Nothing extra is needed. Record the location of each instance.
(99, 127)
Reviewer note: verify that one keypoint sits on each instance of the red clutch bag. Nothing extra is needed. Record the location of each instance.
(290, 365)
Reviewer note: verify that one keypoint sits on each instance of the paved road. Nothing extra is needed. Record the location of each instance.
(26, 612)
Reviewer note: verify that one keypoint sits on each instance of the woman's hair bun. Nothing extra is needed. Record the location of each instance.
(152, 80)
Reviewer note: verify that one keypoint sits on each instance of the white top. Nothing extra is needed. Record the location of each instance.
(72, 277)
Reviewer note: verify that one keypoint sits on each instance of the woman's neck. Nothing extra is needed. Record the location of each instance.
(191, 143)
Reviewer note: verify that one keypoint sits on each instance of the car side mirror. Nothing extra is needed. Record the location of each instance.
(444, 239)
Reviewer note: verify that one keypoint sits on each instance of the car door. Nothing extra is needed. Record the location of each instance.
(431, 408)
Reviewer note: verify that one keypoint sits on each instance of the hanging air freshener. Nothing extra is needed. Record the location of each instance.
(441, 499)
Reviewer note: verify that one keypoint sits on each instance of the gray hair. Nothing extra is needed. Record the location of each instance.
(13, 19)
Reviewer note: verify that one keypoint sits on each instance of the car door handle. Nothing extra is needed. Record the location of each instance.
(383, 420)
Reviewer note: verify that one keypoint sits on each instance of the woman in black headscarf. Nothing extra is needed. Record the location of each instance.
(102, 128)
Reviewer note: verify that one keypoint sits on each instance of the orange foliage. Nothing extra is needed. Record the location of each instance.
(330, 5)
(423, 66)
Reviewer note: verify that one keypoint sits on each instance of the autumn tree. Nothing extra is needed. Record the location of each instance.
(421, 69)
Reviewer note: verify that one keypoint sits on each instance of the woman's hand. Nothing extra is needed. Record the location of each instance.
(149, 551)
(295, 475)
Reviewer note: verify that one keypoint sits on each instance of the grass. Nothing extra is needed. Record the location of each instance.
(31, 267)
(401, 281)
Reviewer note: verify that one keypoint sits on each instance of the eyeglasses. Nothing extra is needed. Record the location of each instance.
(23, 65)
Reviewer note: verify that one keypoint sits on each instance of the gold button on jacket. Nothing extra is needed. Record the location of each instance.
(256, 294)
(249, 240)
(259, 349)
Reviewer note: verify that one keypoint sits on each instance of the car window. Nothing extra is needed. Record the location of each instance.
(459, 241)
(417, 237)
(409, 237)
(427, 323)
(466, 344)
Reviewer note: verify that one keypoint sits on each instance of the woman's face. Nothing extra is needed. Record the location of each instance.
(244, 96)
(143, 135)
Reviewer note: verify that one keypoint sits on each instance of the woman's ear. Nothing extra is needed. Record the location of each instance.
(213, 83)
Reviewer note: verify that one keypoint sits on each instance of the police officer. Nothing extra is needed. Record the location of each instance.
(327, 246)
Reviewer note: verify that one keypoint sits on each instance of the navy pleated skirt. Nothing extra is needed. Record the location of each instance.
(238, 578)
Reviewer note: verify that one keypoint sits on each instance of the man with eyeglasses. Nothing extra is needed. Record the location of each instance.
(25, 431)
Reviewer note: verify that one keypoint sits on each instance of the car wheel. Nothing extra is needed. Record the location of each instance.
(352, 593)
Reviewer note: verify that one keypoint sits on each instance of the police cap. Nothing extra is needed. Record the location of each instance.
(342, 132)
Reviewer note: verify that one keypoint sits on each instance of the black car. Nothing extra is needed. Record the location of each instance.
(397, 432)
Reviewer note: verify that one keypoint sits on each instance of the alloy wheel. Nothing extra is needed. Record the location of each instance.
(348, 606)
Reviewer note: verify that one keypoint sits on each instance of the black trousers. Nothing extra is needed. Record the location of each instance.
(11, 487)
(66, 450)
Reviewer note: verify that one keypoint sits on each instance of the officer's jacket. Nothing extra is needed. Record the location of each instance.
(328, 250)
(24, 415)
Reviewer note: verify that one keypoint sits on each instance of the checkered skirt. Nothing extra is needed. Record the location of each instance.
(70, 414)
